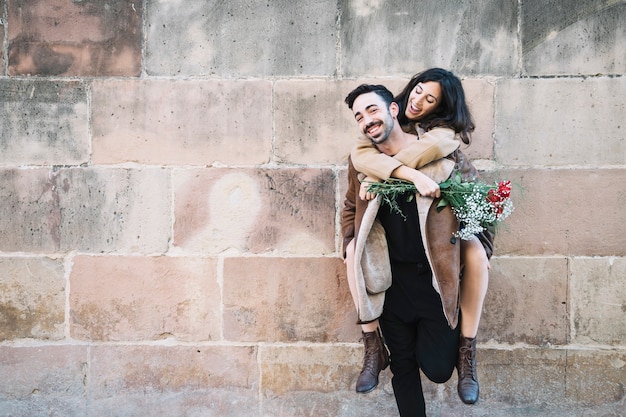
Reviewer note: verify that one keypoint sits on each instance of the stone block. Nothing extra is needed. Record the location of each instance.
(181, 122)
(86, 209)
(33, 298)
(240, 38)
(317, 380)
(313, 124)
(598, 300)
(573, 212)
(569, 37)
(596, 377)
(79, 38)
(479, 94)
(174, 380)
(258, 210)
(382, 38)
(127, 298)
(2, 30)
(44, 122)
(311, 368)
(528, 377)
(526, 302)
(43, 380)
(555, 122)
(336, 404)
(287, 300)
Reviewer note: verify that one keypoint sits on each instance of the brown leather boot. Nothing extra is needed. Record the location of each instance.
(375, 360)
(468, 388)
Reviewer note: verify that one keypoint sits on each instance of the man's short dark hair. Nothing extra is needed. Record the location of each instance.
(381, 90)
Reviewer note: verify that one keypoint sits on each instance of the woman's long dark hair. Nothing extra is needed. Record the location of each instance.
(452, 110)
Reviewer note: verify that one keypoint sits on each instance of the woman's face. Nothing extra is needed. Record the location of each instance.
(423, 100)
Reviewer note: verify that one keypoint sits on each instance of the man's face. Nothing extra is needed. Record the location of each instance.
(373, 117)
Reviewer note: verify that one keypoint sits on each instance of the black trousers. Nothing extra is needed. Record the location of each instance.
(418, 336)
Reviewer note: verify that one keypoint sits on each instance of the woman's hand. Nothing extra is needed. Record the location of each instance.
(363, 193)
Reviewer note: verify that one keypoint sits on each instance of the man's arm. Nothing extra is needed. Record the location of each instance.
(432, 145)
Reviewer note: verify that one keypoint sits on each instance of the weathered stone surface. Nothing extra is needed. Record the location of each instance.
(311, 296)
(33, 298)
(573, 212)
(560, 124)
(598, 300)
(313, 124)
(239, 38)
(184, 122)
(144, 298)
(87, 209)
(84, 38)
(479, 95)
(529, 377)
(526, 302)
(2, 29)
(400, 37)
(43, 380)
(596, 377)
(115, 369)
(336, 404)
(44, 122)
(257, 211)
(573, 37)
(319, 380)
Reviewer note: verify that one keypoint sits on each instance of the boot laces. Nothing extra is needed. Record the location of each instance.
(468, 362)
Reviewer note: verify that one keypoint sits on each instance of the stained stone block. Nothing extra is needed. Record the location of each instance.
(598, 300)
(526, 302)
(287, 299)
(564, 212)
(182, 122)
(560, 124)
(144, 298)
(402, 37)
(239, 38)
(87, 209)
(75, 38)
(43, 380)
(44, 122)
(567, 37)
(256, 211)
(33, 298)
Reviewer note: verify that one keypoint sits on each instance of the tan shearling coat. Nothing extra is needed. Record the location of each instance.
(372, 267)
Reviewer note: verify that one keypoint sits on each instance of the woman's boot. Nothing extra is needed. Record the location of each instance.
(376, 359)
(466, 366)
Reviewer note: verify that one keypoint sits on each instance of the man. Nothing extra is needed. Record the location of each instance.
(418, 312)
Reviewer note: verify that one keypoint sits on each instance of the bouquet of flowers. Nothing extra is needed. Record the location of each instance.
(476, 205)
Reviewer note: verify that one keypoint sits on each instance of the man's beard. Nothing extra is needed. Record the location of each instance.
(382, 137)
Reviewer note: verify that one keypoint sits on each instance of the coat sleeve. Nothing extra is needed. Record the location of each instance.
(432, 145)
(372, 162)
(348, 212)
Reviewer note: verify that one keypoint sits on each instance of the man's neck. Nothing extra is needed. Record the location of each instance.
(397, 141)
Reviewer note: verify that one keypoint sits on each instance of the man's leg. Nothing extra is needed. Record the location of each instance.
(401, 339)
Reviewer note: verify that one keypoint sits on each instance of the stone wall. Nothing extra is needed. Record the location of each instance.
(171, 179)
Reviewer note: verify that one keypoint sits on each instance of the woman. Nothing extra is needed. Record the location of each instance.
(432, 105)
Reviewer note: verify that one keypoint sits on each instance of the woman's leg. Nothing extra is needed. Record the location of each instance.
(473, 290)
(473, 285)
(375, 357)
